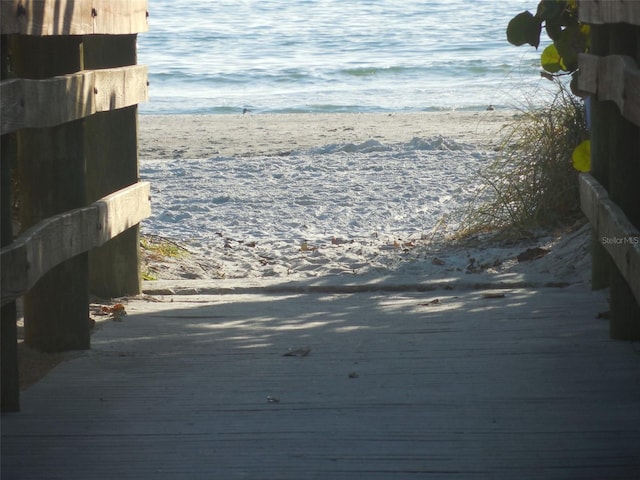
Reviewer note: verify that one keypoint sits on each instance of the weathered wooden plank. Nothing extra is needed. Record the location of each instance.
(55, 309)
(114, 268)
(121, 87)
(517, 388)
(615, 78)
(615, 232)
(601, 263)
(588, 73)
(11, 105)
(122, 210)
(73, 17)
(27, 103)
(64, 236)
(631, 93)
(609, 11)
(9, 389)
(48, 244)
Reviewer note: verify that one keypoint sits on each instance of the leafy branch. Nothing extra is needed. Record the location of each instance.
(570, 37)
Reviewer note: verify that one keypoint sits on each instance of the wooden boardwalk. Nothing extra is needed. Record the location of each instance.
(396, 385)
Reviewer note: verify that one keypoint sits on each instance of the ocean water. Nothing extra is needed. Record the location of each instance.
(275, 56)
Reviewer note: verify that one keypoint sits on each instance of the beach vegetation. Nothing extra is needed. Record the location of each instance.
(531, 183)
(156, 248)
(149, 276)
(160, 247)
(569, 37)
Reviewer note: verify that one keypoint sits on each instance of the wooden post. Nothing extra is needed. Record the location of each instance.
(52, 180)
(112, 163)
(624, 165)
(601, 262)
(10, 392)
(8, 329)
(624, 173)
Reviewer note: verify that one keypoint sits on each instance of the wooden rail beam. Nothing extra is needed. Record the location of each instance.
(27, 103)
(73, 17)
(61, 237)
(597, 12)
(615, 232)
(122, 210)
(615, 78)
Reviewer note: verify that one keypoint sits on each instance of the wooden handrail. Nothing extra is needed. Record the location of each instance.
(68, 234)
(597, 12)
(615, 78)
(27, 103)
(73, 17)
(614, 231)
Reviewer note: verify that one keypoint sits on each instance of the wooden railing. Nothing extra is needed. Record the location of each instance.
(68, 96)
(610, 194)
(63, 236)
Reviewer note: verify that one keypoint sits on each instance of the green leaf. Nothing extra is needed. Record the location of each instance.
(572, 42)
(550, 59)
(553, 28)
(551, 9)
(581, 157)
(524, 28)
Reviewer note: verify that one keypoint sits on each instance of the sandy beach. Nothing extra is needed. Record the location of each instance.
(278, 196)
(194, 136)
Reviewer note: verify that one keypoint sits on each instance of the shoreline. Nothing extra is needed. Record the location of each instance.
(245, 239)
(211, 135)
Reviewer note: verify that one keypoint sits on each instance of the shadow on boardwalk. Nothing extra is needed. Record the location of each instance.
(396, 385)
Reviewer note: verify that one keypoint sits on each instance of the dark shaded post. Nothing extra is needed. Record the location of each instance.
(111, 141)
(624, 173)
(52, 180)
(9, 329)
(600, 111)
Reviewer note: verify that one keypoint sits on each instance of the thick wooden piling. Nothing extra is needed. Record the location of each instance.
(52, 180)
(114, 268)
(8, 327)
(65, 66)
(610, 195)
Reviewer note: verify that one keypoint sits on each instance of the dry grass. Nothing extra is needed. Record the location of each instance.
(156, 248)
(531, 184)
(156, 245)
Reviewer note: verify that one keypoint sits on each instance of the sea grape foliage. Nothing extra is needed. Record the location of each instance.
(569, 37)
(559, 18)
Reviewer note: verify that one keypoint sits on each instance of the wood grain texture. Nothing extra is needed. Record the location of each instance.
(615, 78)
(9, 381)
(527, 386)
(114, 268)
(614, 231)
(73, 17)
(609, 11)
(27, 103)
(66, 235)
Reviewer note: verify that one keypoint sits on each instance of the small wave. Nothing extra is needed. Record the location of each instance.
(372, 71)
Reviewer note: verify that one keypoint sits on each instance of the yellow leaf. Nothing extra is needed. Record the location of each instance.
(581, 157)
(550, 60)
